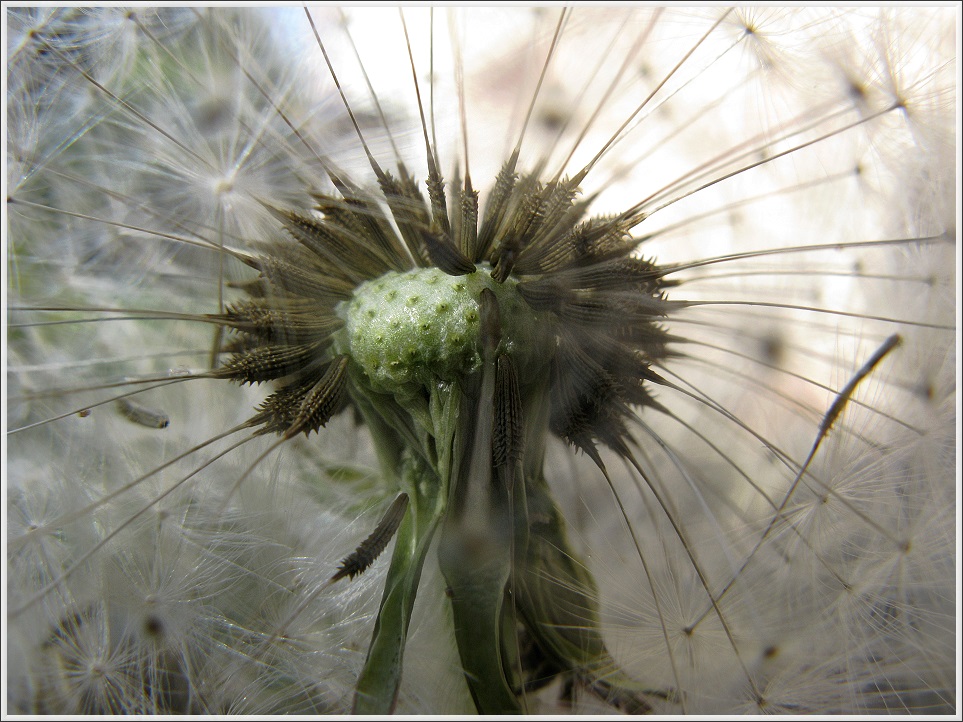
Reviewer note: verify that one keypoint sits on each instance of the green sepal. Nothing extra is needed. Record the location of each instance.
(424, 474)
(377, 688)
(556, 597)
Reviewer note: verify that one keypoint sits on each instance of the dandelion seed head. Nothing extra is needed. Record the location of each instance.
(611, 416)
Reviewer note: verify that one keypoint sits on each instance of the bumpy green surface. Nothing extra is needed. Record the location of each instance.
(422, 326)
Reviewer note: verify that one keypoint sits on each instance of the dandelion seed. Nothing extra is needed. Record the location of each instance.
(369, 550)
(610, 371)
(143, 415)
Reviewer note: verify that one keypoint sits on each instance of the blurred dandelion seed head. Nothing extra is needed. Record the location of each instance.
(597, 368)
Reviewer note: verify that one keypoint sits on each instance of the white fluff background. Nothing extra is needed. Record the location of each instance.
(131, 133)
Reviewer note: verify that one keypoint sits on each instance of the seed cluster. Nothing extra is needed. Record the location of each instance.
(588, 306)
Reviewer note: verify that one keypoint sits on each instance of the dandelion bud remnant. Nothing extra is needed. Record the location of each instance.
(422, 327)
